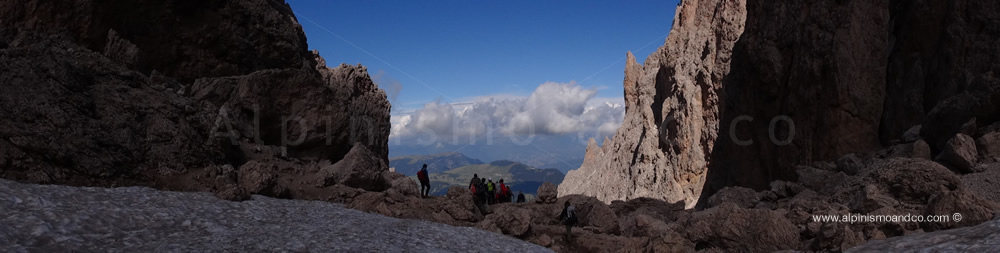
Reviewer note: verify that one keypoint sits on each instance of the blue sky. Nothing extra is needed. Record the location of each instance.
(476, 76)
(454, 50)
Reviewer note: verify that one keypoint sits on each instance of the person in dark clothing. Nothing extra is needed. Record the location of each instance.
(520, 197)
(425, 182)
(478, 190)
(568, 218)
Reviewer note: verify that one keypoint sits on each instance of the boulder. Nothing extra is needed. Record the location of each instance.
(360, 168)
(547, 193)
(669, 241)
(921, 150)
(819, 180)
(870, 198)
(742, 197)
(849, 164)
(543, 240)
(511, 220)
(961, 153)
(591, 212)
(259, 178)
(786, 189)
(958, 209)
(912, 134)
(837, 237)
(988, 146)
(731, 228)
(642, 225)
(400, 183)
(911, 180)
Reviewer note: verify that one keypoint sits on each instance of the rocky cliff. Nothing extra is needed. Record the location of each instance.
(671, 112)
(726, 102)
(168, 93)
(853, 77)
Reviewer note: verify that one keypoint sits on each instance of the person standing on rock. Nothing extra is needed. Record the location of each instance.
(503, 195)
(568, 218)
(478, 193)
(425, 182)
(490, 191)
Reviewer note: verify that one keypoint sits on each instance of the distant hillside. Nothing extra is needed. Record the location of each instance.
(409, 165)
(563, 165)
(517, 176)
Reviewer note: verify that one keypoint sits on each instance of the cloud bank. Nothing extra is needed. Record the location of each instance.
(552, 109)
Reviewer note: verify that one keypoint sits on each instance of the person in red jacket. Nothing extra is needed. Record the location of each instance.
(504, 193)
(425, 182)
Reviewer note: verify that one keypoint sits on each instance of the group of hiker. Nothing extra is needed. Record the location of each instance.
(489, 192)
(482, 188)
(485, 192)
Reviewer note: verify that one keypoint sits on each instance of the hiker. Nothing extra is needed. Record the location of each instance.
(504, 194)
(478, 193)
(568, 218)
(520, 197)
(425, 182)
(490, 190)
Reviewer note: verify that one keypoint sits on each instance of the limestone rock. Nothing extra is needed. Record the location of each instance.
(742, 197)
(121, 50)
(921, 150)
(912, 134)
(591, 212)
(259, 178)
(871, 198)
(912, 180)
(360, 168)
(510, 220)
(804, 85)
(988, 146)
(849, 164)
(547, 193)
(195, 87)
(400, 183)
(672, 111)
(970, 210)
(745, 229)
(960, 152)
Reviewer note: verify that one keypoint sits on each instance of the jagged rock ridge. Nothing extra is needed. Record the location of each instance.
(806, 82)
(671, 116)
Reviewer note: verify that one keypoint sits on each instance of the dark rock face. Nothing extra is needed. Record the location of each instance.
(853, 77)
(161, 93)
(811, 76)
(74, 116)
(183, 40)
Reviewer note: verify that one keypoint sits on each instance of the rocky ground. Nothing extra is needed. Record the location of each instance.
(47, 218)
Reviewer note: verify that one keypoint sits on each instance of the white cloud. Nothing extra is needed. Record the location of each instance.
(552, 109)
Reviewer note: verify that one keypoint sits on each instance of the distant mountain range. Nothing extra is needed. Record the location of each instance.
(409, 165)
(559, 152)
(456, 169)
